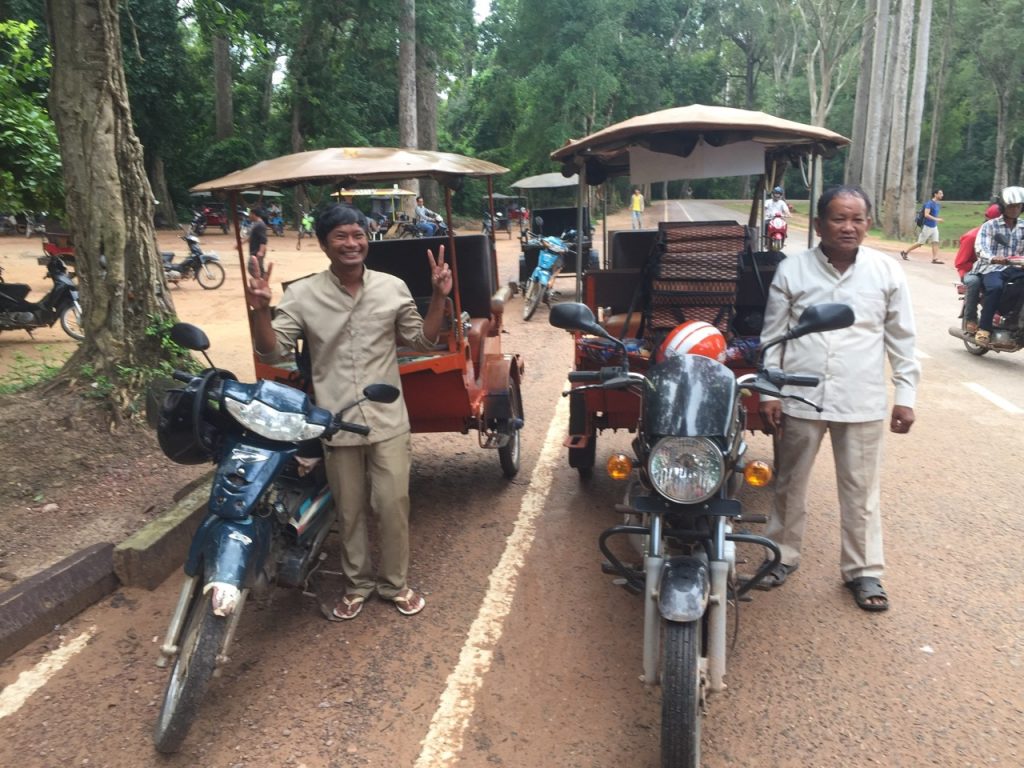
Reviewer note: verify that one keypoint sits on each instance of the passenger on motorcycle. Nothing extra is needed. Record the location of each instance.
(966, 256)
(425, 218)
(776, 206)
(1000, 249)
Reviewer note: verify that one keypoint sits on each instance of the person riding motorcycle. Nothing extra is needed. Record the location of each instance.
(1000, 248)
(425, 219)
(776, 206)
(966, 257)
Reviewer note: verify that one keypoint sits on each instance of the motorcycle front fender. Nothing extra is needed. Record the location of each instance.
(541, 276)
(229, 551)
(684, 589)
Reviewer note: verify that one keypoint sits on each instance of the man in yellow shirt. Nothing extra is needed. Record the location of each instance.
(636, 205)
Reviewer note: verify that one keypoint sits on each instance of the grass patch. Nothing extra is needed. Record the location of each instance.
(26, 372)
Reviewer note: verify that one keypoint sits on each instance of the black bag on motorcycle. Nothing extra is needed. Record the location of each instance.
(175, 432)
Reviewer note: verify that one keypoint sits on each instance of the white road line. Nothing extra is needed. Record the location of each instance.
(993, 398)
(443, 742)
(31, 680)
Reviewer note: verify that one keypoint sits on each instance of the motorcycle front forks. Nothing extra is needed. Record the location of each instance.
(169, 648)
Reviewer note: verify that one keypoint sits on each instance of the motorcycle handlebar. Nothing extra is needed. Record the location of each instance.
(182, 377)
(605, 374)
(346, 426)
(797, 380)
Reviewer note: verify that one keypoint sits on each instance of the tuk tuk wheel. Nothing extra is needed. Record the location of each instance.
(508, 454)
(582, 459)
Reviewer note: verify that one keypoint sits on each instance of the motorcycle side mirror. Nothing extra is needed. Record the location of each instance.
(571, 316)
(381, 393)
(190, 337)
(822, 317)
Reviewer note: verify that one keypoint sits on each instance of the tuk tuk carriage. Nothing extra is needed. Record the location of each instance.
(654, 280)
(467, 383)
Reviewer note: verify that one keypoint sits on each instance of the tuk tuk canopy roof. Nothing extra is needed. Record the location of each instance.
(690, 132)
(546, 181)
(342, 166)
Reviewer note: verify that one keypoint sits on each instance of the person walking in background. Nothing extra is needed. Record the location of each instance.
(257, 242)
(929, 227)
(636, 207)
(851, 366)
(1000, 249)
(964, 262)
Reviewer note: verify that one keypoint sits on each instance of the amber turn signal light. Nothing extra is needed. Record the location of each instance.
(619, 466)
(757, 474)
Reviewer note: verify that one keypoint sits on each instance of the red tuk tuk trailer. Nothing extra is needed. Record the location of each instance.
(468, 383)
(694, 270)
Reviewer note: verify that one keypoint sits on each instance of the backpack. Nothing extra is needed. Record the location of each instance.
(919, 221)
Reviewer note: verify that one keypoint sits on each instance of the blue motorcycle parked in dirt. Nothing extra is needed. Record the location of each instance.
(549, 264)
(269, 513)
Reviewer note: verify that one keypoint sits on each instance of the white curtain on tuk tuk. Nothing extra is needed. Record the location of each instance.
(740, 159)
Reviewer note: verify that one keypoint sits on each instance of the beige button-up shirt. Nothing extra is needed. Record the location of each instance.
(850, 361)
(352, 342)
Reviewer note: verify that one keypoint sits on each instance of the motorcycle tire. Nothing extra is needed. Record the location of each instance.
(199, 229)
(532, 294)
(970, 346)
(680, 694)
(71, 322)
(509, 454)
(201, 641)
(210, 275)
(581, 459)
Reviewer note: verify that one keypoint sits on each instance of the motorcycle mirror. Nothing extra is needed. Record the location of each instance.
(571, 316)
(190, 337)
(381, 393)
(822, 317)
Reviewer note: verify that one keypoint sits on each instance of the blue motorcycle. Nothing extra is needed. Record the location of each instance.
(269, 513)
(549, 264)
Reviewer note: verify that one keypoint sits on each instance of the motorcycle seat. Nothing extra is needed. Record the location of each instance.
(15, 292)
(167, 256)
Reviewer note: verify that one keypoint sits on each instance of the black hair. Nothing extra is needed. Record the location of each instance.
(841, 190)
(337, 215)
(259, 212)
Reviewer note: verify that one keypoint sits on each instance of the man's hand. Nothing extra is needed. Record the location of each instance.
(902, 419)
(440, 274)
(771, 416)
(257, 292)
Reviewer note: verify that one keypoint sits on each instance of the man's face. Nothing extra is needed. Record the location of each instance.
(776, 195)
(844, 225)
(1012, 211)
(419, 201)
(939, 195)
(346, 246)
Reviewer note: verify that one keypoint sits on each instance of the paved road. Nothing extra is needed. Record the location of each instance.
(528, 656)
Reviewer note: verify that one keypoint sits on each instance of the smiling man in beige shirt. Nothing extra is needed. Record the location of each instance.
(352, 318)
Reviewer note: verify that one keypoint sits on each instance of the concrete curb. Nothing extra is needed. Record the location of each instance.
(36, 605)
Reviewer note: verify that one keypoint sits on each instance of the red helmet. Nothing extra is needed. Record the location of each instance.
(694, 337)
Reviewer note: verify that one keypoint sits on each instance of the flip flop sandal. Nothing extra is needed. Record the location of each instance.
(347, 608)
(408, 602)
(864, 589)
(776, 577)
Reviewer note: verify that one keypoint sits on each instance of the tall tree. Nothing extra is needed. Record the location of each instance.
(109, 201)
(874, 147)
(912, 146)
(938, 92)
(901, 44)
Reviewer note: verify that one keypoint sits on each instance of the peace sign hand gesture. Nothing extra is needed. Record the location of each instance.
(440, 274)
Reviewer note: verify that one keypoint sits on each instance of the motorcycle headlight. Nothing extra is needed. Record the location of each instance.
(686, 470)
(271, 423)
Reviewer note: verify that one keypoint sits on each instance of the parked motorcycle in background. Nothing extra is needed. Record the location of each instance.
(35, 223)
(538, 285)
(269, 513)
(681, 507)
(61, 303)
(203, 267)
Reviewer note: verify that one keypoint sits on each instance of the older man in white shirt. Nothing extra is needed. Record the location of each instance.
(852, 391)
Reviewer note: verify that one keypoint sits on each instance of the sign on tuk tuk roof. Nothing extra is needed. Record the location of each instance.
(680, 130)
(342, 166)
(546, 181)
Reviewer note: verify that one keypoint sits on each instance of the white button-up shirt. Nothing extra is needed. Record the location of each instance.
(849, 361)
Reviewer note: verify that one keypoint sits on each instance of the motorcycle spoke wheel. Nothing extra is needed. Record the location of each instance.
(71, 322)
(201, 642)
(210, 275)
(508, 455)
(531, 298)
(681, 694)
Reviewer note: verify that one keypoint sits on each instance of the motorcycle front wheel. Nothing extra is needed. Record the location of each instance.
(210, 275)
(201, 641)
(532, 294)
(71, 322)
(681, 695)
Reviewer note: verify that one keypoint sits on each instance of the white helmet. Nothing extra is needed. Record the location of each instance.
(1012, 196)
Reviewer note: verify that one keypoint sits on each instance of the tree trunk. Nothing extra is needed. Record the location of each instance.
(874, 153)
(109, 202)
(855, 161)
(407, 80)
(1004, 94)
(224, 109)
(426, 115)
(912, 147)
(939, 97)
(165, 215)
(901, 43)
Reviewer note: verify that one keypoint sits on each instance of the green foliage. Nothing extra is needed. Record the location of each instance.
(26, 372)
(30, 176)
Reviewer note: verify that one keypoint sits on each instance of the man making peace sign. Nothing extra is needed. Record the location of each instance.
(351, 319)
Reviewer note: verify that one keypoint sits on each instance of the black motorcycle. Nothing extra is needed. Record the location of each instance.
(61, 303)
(204, 267)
